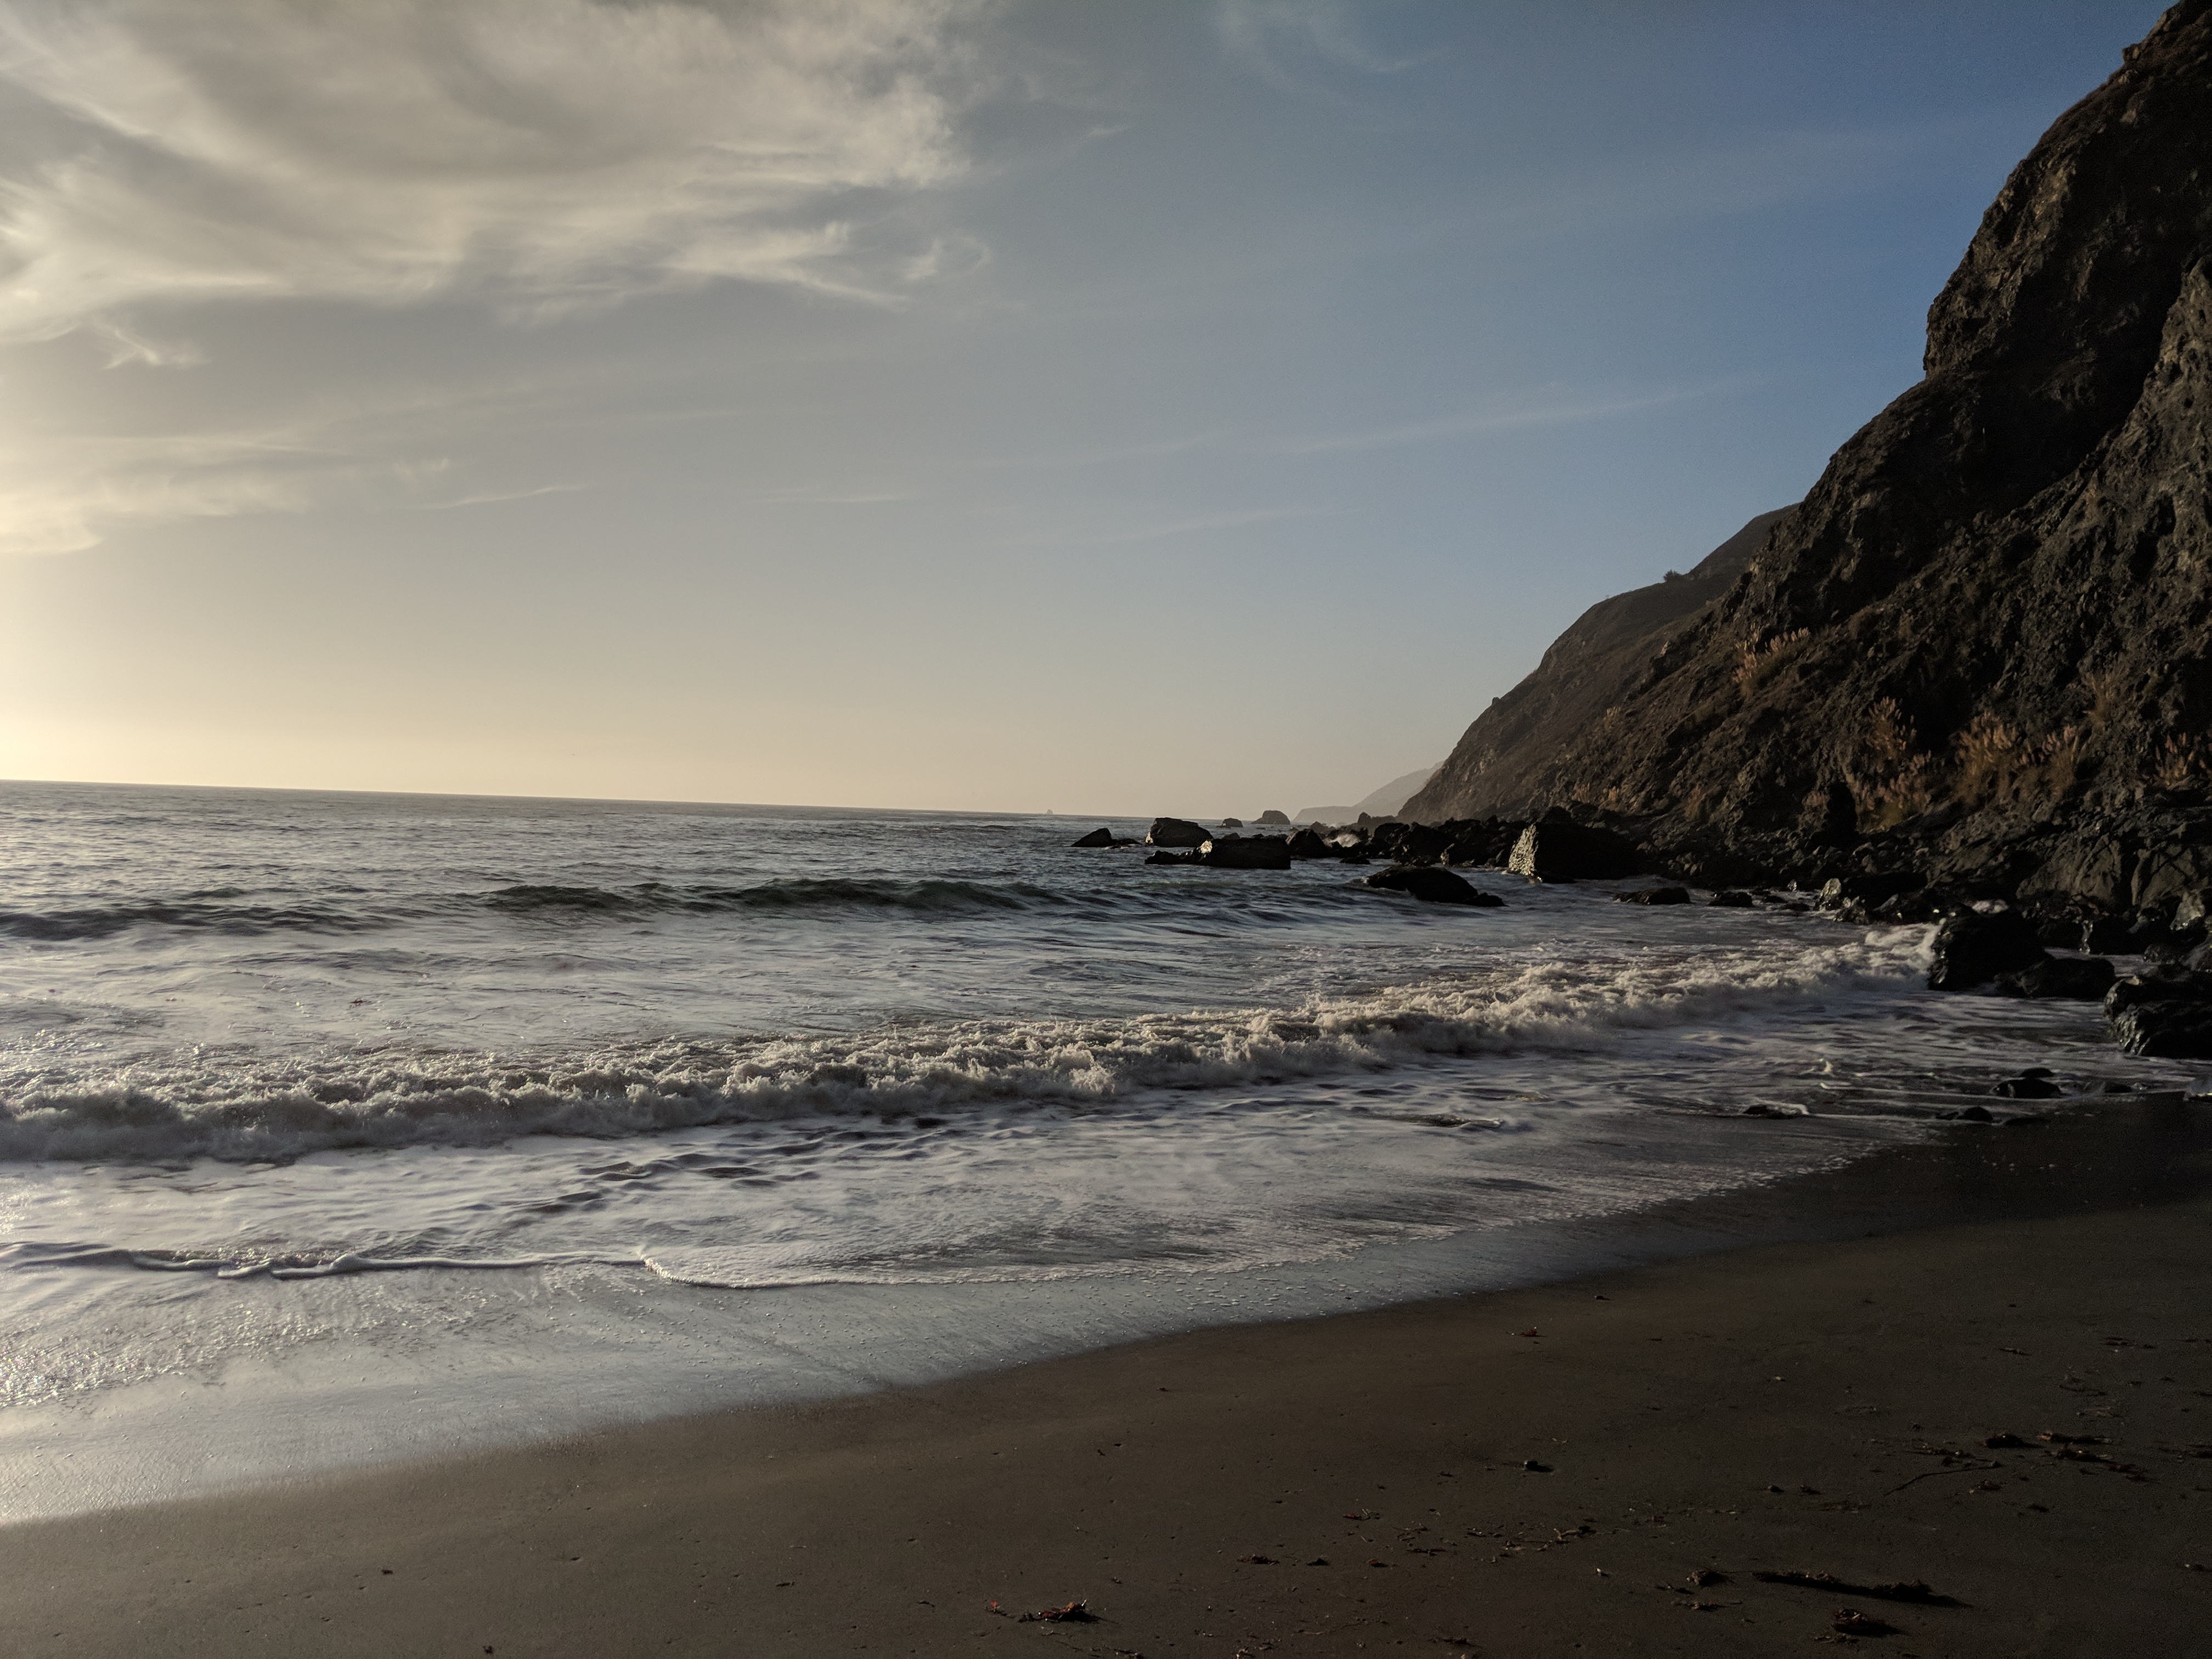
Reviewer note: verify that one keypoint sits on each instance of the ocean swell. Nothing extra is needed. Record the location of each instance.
(253, 1111)
(791, 894)
(221, 912)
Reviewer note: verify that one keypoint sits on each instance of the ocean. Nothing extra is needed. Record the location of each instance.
(338, 1127)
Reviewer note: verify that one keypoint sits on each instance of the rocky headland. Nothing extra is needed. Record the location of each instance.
(1966, 676)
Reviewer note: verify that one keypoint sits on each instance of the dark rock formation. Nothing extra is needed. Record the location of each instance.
(1434, 884)
(1246, 853)
(1232, 823)
(1989, 623)
(1730, 899)
(1588, 669)
(1178, 832)
(1871, 890)
(2069, 979)
(1972, 949)
(2172, 1030)
(1271, 816)
(1559, 849)
(1096, 838)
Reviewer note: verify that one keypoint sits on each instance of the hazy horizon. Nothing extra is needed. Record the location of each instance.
(926, 405)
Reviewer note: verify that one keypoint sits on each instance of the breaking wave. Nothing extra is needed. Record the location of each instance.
(253, 1111)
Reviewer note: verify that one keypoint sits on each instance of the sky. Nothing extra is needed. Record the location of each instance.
(1190, 406)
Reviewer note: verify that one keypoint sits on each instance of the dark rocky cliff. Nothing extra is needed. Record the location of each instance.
(1590, 668)
(1997, 603)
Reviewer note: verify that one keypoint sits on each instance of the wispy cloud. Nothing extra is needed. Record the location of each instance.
(64, 496)
(547, 154)
(1285, 42)
(499, 497)
(64, 491)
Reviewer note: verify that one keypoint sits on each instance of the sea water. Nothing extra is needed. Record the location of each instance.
(338, 1126)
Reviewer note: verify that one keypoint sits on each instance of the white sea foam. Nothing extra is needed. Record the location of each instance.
(215, 1106)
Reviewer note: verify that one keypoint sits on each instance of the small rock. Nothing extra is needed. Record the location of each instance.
(1974, 947)
(1096, 838)
(2105, 936)
(1655, 895)
(1433, 884)
(2169, 1030)
(1176, 832)
(1559, 849)
(2160, 985)
(1246, 853)
(1232, 823)
(1871, 890)
(1732, 899)
(2066, 978)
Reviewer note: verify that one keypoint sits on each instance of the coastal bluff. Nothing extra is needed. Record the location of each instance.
(1987, 624)
(1501, 765)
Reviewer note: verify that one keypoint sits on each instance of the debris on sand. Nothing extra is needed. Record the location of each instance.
(1704, 1577)
(1911, 1589)
(1850, 1621)
(1075, 1612)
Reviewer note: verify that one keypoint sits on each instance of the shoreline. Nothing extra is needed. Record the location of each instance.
(1665, 1399)
(332, 1411)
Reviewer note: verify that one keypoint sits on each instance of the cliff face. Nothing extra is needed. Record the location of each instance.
(1589, 668)
(1997, 597)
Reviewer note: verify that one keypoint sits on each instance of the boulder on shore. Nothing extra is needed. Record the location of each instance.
(1434, 884)
(1872, 891)
(2168, 1030)
(2065, 979)
(1096, 838)
(1974, 947)
(2159, 985)
(1178, 832)
(1246, 853)
(1559, 849)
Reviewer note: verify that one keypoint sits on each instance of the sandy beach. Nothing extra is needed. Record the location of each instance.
(1609, 1465)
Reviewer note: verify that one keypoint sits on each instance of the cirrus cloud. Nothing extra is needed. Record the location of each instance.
(544, 153)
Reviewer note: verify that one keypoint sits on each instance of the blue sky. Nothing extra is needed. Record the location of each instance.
(1191, 407)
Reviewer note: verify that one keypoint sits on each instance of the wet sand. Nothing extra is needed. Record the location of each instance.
(1598, 1467)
